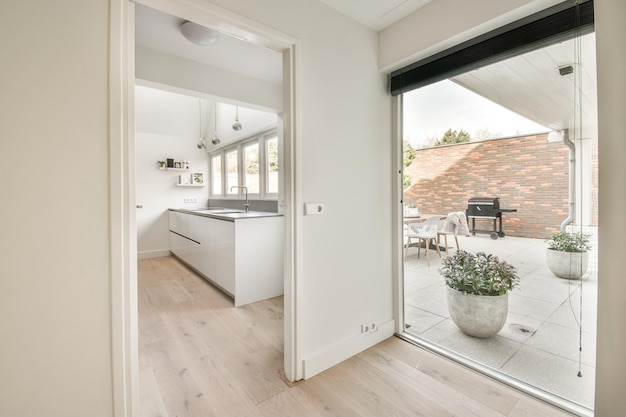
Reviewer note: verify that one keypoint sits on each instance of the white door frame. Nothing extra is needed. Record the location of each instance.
(123, 238)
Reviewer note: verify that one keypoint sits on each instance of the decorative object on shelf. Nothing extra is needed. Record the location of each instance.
(477, 291)
(237, 126)
(186, 164)
(177, 165)
(215, 141)
(170, 163)
(198, 34)
(201, 142)
(162, 164)
(567, 255)
(197, 178)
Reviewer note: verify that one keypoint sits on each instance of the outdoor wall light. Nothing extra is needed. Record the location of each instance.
(568, 69)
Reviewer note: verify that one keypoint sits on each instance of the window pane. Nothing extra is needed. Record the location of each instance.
(232, 172)
(251, 158)
(216, 169)
(271, 151)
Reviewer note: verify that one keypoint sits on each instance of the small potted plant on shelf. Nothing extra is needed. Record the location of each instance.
(567, 255)
(477, 288)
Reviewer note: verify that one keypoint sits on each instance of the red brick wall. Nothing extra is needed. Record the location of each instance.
(527, 173)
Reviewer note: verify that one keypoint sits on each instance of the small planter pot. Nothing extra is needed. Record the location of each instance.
(569, 265)
(477, 315)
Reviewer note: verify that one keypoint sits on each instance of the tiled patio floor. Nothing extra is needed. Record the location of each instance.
(539, 343)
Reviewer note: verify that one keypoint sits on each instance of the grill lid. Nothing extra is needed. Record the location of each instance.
(494, 201)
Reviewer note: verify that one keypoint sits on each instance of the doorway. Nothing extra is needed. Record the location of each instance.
(124, 242)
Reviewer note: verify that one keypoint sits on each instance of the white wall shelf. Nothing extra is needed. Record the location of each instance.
(190, 185)
(175, 169)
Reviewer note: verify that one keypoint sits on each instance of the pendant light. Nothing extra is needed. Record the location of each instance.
(201, 143)
(237, 126)
(215, 141)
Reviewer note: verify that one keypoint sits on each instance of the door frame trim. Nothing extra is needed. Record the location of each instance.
(123, 239)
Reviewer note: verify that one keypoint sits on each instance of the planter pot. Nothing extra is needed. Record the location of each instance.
(477, 315)
(570, 265)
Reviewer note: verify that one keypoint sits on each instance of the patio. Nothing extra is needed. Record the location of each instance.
(539, 343)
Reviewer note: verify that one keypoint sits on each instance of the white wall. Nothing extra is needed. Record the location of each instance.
(55, 313)
(167, 126)
(345, 145)
(611, 344)
(193, 76)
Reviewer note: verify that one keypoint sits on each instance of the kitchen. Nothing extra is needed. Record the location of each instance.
(186, 96)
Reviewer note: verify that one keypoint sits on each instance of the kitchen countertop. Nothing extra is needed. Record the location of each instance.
(225, 213)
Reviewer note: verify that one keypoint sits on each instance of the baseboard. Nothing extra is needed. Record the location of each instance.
(314, 364)
(153, 254)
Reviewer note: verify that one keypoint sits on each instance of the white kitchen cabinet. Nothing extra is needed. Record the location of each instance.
(225, 255)
(244, 256)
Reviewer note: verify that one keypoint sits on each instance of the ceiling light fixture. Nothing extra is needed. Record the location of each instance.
(237, 126)
(201, 143)
(215, 141)
(198, 34)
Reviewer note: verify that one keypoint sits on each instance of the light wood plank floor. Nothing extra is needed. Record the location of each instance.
(200, 356)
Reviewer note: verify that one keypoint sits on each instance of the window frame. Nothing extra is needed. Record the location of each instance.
(261, 139)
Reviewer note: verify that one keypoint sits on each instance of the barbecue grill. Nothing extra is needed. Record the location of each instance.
(487, 208)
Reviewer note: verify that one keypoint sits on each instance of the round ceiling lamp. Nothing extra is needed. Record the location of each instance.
(198, 34)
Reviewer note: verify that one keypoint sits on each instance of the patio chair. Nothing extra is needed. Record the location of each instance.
(447, 228)
(425, 231)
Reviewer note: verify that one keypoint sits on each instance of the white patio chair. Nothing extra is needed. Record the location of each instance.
(447, 228)
(425, 231)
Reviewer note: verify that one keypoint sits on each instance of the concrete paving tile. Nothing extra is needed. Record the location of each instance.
(553, 374)
(564, 342)
(493, 351)
(420, 320)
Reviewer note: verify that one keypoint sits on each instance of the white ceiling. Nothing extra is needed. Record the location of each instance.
(160, 32)
(532, 86)
(376, 14)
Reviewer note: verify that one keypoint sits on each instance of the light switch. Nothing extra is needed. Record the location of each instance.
(313, 208)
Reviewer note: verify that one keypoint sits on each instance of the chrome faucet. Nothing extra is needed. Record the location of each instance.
(247, 203)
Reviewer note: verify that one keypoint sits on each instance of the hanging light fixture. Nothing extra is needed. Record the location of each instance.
(201, 143)
(198, 34)
(215, 140)
(237, 126)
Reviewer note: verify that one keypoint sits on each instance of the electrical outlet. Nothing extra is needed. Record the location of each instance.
(191, 200)
(373, 327)
(365, 328)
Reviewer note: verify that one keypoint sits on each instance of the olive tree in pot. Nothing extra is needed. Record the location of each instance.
(477, 291)
(567, 255)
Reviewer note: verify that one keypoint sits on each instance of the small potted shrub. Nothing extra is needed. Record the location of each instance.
(567, 255)
(477, 288)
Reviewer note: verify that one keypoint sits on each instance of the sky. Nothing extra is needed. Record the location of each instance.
(431, 110)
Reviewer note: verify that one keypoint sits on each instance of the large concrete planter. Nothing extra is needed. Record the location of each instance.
(570, 265)
(477, 315)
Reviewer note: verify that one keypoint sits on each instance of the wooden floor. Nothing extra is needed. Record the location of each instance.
(200, 356)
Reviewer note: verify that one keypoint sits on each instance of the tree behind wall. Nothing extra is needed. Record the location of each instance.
(452, 136)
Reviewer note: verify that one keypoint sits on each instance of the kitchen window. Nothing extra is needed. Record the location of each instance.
(253, 163)
(216, 174)
(232, 171)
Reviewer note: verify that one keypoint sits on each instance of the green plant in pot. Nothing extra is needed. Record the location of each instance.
(477, 287)
(567, 255)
